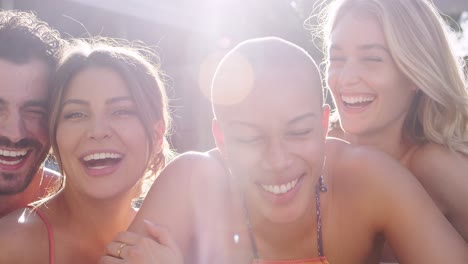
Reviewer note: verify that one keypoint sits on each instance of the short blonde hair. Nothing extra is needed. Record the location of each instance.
(419, 43)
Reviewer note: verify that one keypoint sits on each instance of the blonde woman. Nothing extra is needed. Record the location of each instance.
(399, 87)
(107, 129)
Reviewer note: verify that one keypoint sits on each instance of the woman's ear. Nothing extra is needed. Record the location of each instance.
(218, 136)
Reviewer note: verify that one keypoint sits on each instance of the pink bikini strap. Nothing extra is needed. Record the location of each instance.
(50, 234)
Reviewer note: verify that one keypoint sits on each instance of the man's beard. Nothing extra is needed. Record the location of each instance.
(17, 183)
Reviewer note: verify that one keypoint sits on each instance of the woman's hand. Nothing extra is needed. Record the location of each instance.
(133, 248)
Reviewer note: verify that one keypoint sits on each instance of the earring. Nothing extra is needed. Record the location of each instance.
(322, 185)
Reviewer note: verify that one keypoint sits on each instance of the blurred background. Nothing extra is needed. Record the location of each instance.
(191, 36)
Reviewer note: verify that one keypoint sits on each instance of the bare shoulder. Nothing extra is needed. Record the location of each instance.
(19, 230)
(197, 162)
(390, 201)
(434, 159)
(191, 169)
(444, 175)
(182, 193)
(362, 162)
(372, 176)
(180, 181)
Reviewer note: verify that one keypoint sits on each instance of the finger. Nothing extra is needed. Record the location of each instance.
(116, 249)
(127, 237)
(110, 260)
(161, 235)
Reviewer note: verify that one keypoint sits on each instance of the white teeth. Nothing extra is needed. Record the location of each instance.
(276, 189)
(14, 162)
(103, 155)
(280, 189)
(99, 167)
(357, 99)
(13, 153)
(283, 189)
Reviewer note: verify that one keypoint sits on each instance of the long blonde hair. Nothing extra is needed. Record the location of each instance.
(419, 43)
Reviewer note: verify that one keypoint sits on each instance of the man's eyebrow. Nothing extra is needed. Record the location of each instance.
(36, 103)
(30, 103)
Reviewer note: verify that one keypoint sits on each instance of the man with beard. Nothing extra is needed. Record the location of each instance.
(29, 49)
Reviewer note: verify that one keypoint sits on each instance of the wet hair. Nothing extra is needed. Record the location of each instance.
(419, 43)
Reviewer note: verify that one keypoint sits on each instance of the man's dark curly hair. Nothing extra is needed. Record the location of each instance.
(24, 37)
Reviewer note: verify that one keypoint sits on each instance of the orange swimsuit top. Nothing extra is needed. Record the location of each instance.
(319, 260)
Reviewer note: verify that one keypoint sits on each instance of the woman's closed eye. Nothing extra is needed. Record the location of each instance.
(248, 139)
(299, 132)
(123, 112)
(372, 59)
